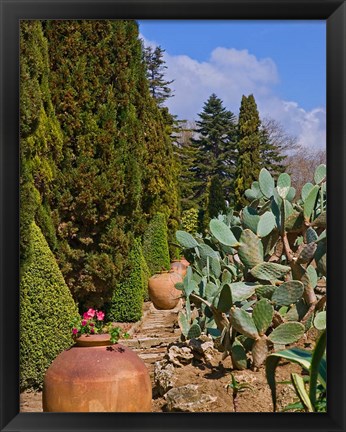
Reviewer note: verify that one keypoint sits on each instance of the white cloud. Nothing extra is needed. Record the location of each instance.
(230, 73)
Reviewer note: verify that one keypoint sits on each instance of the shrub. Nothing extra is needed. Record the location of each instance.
(127, 301)
(46, 308)
(155, 244)
(189, 220)
(145, 277)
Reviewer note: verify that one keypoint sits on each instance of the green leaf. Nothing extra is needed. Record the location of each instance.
(266, 183)
(194, 331)
(222, 233)
(320, 320)
(185, 239)
(318, 369)
(205, 250)
(291, 194)
(266, 224)
(288, 293)
(251, 249)
(242, 290)
(283, 185)
(299, 387)
(265, 291)
(238, 355)
(269, 271)
(306, 190)
(287, 333)
(262, 315)
(243, 323)
(225, 300)
(250, 218)
(310, 202)
(320, 174)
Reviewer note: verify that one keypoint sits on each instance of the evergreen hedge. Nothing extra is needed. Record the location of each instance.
(155, 244)
(127, 301)
(46, 308)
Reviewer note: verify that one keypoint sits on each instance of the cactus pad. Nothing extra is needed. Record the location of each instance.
(243, 323)
(262, 315)
(259, 351)
(194, 331)
(269, 271)
(250, 218)
(266, 224)
(265, 291)
(283, 185)
(288, 293)
(222, 233)
(185, 239)
(238, 355)
(251, 249)
(225, 299)
(266, 183)
(287, 333)
(242, 290)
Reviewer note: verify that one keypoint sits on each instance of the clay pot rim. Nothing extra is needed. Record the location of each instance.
(84, 340)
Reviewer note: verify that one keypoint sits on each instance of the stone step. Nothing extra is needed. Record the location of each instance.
(149, 342)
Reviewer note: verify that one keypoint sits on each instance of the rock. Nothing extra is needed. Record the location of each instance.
(205, 346)
(187, 399)
(179, 356)
(163, 376)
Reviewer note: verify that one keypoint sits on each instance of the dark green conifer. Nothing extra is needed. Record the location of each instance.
(248, 146)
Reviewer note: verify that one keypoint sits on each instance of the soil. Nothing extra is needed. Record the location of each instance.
(150, 339)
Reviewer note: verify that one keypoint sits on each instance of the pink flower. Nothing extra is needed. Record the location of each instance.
(84, 322)
(92, 324)
(92, 331)
(86, 316)
(90, 313)
(74, 331)
(100, 315)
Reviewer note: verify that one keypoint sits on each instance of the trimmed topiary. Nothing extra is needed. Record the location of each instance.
(155, 244)
(127, 301)
(145, 277)
(46, 309)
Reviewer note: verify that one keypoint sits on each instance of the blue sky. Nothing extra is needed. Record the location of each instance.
(283, 63)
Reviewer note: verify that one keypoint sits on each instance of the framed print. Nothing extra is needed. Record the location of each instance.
(164, 175)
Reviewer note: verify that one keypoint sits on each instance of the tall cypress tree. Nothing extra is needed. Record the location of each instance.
(248, 145)
(216, 203)
(214, 147)
(41, 138)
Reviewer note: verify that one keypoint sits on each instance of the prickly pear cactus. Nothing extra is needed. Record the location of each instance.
(255, 275)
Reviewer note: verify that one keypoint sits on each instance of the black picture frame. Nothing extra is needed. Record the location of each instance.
(12, 11)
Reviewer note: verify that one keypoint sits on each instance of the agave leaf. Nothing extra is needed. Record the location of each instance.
(266, 183)
(300, 389)
(185, 239)
(222, 233)
(266, 224)
(283, 185)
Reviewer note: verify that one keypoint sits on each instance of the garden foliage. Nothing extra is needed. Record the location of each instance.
(46, 308)
(155, 244)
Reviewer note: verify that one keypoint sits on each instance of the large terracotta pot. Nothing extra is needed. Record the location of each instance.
(162, 291)
(97, 376)
(185, 262)
(178, 267)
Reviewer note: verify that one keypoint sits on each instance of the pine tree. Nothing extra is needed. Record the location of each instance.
(248, 145)
(156, 65)
(214, 148)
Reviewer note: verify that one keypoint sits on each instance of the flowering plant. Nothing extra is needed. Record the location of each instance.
(92, 323)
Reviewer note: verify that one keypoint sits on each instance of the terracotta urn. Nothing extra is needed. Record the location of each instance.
(162, 291)
(178, 267)
(97, 376)
(185, 262)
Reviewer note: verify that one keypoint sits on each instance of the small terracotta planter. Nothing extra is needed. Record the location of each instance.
(178, 267)
(97, 376)
(162, 291)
